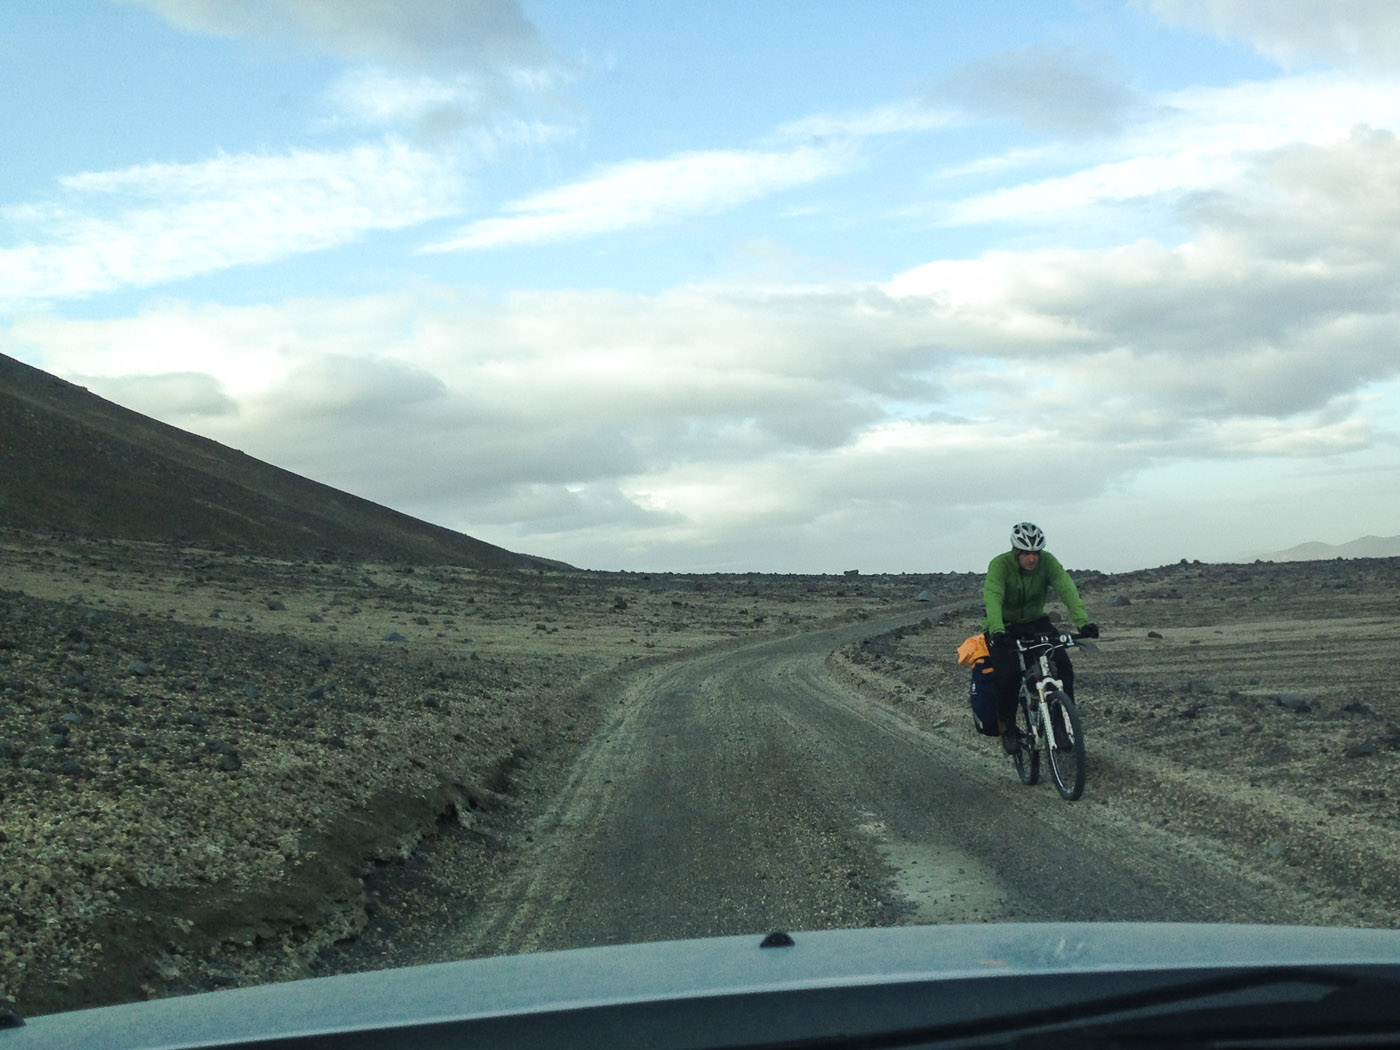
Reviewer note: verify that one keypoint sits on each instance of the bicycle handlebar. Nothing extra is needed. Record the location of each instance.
(1063, 638)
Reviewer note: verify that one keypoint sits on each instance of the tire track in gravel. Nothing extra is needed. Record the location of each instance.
(689, 814)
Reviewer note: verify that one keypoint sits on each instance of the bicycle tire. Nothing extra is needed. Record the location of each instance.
(1027, 756)
(1067, 765)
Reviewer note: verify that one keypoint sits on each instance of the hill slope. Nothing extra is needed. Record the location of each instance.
(1365, 547)
(74, 461)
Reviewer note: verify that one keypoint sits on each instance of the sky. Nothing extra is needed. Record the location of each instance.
(739, 285)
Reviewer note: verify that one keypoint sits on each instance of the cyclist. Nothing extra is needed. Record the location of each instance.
(1015, 590)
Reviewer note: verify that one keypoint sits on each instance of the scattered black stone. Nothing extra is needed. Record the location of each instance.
(276, 605)
(230, 762)
(394, 636)
(1298, 705)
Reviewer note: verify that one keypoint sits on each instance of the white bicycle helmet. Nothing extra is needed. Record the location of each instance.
(1027, 537)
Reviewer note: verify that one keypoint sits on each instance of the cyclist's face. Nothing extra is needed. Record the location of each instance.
(1028, 559)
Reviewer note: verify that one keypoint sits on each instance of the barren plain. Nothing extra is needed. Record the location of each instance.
(206, 756)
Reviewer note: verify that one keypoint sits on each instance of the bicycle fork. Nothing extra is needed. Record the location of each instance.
(1040, 710)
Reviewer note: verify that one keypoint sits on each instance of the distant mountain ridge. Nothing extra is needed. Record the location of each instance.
(74, 462)
(1365, 547)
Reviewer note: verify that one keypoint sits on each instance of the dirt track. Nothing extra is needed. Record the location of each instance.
(1248, 755)
(820, 781)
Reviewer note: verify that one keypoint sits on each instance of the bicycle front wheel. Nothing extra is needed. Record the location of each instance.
(1027, 756)
(1066, 748)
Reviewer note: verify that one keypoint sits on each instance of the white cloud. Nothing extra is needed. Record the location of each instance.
(1194, 140)
(1279, 308)
(894, 119)
(374, 98)
(649, 192)
(156, 223)
(832, 420)
(619, 430)
(1050, 200)
(437, 33)
(1362, 34)
(191, 396)
(642, 193)
(468, 110)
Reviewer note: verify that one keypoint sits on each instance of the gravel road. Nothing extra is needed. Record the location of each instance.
(762, 788)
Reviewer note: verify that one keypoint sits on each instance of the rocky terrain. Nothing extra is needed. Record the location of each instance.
(204, 753)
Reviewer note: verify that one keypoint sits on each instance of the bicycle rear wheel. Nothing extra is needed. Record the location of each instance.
(1066, 750)
(1027, 757)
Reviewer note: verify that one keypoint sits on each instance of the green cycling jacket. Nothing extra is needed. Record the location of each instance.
(1015, 596)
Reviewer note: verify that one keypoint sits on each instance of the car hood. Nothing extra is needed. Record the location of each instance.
(943, 983)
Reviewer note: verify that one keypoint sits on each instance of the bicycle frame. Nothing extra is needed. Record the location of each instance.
(1038, 678)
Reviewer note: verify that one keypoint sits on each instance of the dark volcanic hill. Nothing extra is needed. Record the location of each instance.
(72, 461)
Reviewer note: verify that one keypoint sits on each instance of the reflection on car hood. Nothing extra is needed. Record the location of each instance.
(941, 981)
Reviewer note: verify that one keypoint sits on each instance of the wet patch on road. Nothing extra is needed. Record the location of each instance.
(940, 884)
